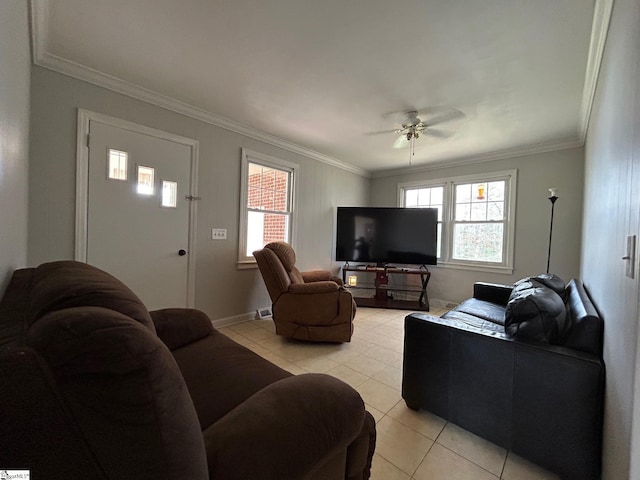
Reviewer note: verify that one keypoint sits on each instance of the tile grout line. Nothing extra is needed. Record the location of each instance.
(377, 333)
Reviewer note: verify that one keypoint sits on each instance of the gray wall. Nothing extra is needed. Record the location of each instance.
(222, 290)
(536, 173)
(612, 211)
(15, 65)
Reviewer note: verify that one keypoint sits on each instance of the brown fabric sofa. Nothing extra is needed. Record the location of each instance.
(310, 306)
(93, 386)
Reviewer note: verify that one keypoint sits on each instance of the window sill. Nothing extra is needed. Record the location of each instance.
(247, 265)
(476, 268)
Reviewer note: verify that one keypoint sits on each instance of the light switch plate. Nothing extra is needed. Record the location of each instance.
(218, 233)
(630, 257)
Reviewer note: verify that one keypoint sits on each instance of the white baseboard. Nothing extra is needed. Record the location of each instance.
(439, 303)
(226, 321)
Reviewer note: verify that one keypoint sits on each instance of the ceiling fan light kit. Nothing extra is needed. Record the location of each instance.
(412, 126)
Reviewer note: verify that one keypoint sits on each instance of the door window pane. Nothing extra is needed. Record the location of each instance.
(169, 194)
(118, 164)
(145, 180)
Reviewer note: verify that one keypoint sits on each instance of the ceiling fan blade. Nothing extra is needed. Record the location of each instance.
(381, 132)
(401, 142)
(437, 133)
(438, 116)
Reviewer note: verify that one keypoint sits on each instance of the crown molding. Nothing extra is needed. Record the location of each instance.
(600, 27)
(39, 13)
(487, 157)
(39, 32)
(601, 19)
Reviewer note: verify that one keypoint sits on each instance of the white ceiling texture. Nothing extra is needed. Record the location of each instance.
(322, 77)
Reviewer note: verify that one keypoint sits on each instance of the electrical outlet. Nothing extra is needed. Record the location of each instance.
(218, 234)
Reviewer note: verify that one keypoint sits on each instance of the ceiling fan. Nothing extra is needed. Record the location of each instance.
(413, 127)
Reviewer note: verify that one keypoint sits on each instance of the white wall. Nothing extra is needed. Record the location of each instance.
(222, 290)
(536, 173)
(612, 211)
(15, 65)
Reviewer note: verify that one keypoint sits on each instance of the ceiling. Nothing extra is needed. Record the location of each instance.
(320, 77)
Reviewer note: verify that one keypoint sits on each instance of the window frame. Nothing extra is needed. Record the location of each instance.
(446, 260)
(292, 169)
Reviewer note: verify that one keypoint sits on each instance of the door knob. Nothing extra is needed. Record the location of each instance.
(182, 252)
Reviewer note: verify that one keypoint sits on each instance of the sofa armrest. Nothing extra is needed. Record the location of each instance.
(492, 292)
(319, 276)
(543, 402)
(37, 430)
(316, 275)
(177, 327)
(286, 430)
(315, 287)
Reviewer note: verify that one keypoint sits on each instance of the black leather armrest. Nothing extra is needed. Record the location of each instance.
(492, 292)
(544, 402)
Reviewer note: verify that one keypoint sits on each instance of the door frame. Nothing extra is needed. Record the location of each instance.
(82, 185)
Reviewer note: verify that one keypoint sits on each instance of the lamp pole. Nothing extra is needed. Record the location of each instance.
(552, 198)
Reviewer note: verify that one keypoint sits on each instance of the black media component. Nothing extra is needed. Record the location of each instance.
(385, 235)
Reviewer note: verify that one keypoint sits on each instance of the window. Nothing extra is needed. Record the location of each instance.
(146, 180)
(475, 220)
(428, 197)
(267, 203)
(169, 194)
(118, 164)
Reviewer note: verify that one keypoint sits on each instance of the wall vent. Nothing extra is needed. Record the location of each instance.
(263, 313)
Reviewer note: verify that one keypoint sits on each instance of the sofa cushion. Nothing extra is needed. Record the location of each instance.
(549, 280)
(216, 389)
(178, 327)
(536, 314)
(456, 316)
(125, 392)
(66, 284)
(485, 310)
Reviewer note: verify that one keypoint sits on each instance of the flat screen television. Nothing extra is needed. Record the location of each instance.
(387, 235)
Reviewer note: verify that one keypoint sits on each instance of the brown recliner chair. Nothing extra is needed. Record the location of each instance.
(306, 305)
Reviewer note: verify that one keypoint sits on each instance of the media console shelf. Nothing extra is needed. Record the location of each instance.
(383, 291)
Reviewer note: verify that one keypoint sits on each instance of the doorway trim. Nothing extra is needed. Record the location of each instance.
(82, 184)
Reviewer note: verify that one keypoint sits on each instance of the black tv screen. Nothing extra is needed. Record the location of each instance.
(386, 235)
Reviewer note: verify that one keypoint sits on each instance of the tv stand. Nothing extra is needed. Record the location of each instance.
(383, 291)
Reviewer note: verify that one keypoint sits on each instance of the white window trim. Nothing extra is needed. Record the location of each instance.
(250, 156)
(511, 178)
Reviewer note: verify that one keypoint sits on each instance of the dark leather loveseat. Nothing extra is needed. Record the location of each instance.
(93, 386)
(517, 369)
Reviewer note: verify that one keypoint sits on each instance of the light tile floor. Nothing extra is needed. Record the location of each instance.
(410, 445)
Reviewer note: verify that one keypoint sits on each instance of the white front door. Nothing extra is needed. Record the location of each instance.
(138, 213)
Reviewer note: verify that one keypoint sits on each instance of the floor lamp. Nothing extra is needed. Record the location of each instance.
(552, 198)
